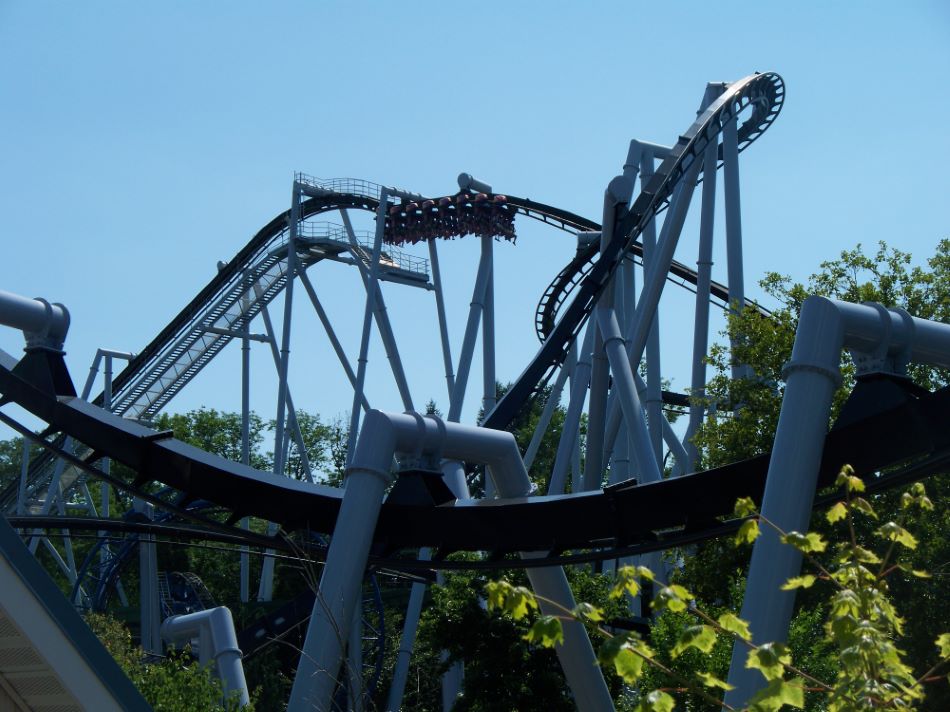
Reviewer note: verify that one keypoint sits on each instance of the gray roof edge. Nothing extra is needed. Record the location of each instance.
(85, 642)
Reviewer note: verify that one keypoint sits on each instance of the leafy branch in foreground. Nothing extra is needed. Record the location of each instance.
(862, 623)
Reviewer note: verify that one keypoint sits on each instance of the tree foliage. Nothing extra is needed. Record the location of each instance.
(175, 683)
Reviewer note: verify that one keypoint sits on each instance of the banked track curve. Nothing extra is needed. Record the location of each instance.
(886, 423)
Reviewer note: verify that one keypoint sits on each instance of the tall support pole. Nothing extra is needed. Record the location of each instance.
(655, 280)
(617, 193)
(654, 400)
(704, 264)
(825, 326)
(488, 330)
(572, 419)
(627, 395)
(245, 584)
(105, 489)
(367, 478)
(295, 432)
(730, 184)
(149, 606)
(443, 322)
(285, 337)
(471, 332)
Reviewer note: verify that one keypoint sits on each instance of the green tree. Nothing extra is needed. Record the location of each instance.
(715, 569)
(217, 432)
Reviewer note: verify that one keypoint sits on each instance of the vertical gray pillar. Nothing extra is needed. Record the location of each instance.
(488, 331)
(617, 193)
(704, 264)
(654, 399)
(730, 184)
(149, 604)
(443, 322)
(245, 583)
(337, 596)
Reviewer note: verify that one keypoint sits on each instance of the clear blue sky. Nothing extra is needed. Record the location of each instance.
(143, 142)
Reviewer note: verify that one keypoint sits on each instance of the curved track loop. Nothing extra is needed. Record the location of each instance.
(764, 93)
(886, 423)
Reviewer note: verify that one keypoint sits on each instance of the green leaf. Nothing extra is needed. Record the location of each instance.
(656, 701)
(710, 680)
(806, 581)
(892, 531)
(674, 598)
(546, 632)
(847, 478)
(645, 573)
(588, 612)
(863, 506)
(701, 637)
(497, 592)
(864, 556)
(769, 659)
(806, 543)
(625, 581)
(836, 513)
(734, 624)
(748, 532)
(744, 507)
(943, 645)
(629, 665)
(776, 694)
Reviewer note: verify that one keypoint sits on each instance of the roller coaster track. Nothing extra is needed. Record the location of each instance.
(886, 423)
(763, 95)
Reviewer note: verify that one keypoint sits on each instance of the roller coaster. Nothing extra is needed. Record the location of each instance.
(629, 487)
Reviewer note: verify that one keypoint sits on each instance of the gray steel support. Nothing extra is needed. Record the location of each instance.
(245, 575)
(295, 432)
(149, 605)
(545, 420)
(368, 476)
(656, 279)
(626, 388)
(471, 332)
(891, 338)
(285, 341)
(443, 322)
(265, 587)
(704, 263)
(617, 193)
(331, 334)
(217, 643)
(654, 398)
(572, 419)
(489, 391)
(730, 185)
